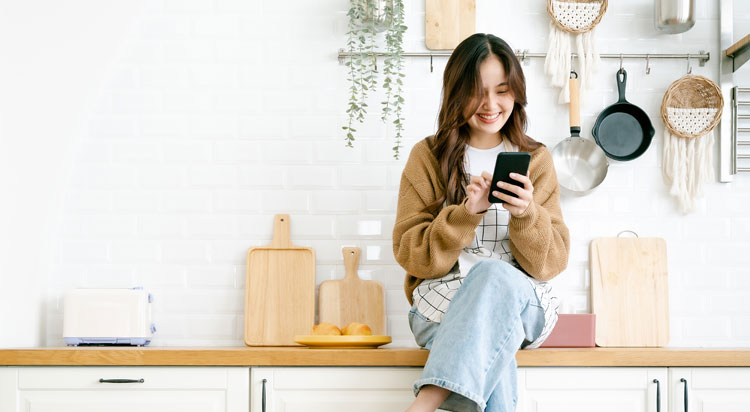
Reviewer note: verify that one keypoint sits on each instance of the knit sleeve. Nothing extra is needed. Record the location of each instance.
(539, 238)
(427, 246)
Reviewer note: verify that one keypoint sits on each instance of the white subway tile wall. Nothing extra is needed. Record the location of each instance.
(221, 113)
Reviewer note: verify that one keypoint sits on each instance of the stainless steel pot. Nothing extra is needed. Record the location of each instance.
(581, 164)
(674, 16)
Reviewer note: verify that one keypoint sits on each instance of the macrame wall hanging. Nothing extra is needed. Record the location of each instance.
(691, 109)
(572, 18)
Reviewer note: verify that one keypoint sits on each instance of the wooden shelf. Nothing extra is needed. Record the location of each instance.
(268, 356)
(739, 52)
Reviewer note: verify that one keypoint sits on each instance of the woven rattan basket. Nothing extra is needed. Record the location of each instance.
(692, 106)
(572, 11)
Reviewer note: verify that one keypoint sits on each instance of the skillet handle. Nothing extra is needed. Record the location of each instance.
(575, 111)
(622, 79)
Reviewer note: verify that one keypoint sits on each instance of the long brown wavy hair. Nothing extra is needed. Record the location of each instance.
(461, 83)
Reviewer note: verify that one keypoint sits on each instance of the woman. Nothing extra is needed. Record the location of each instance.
(477, 271)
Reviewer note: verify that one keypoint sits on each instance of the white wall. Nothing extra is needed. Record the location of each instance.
(218, 114)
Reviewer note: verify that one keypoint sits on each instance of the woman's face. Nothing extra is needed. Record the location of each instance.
(496, 101)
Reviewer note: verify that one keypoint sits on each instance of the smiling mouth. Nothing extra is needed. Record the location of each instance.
(488, 118)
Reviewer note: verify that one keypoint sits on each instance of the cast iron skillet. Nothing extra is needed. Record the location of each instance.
(623, 130)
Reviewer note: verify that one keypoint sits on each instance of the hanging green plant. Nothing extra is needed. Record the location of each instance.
(368, 18)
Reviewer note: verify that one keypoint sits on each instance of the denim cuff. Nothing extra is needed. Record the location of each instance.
(460, 398)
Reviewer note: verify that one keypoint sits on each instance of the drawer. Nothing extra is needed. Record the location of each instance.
(85, 377)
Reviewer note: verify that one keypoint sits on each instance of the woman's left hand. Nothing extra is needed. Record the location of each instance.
(516, 205)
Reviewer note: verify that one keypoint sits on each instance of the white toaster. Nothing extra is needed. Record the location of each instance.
(107, 317)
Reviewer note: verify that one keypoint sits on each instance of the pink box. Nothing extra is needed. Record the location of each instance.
(572, 331)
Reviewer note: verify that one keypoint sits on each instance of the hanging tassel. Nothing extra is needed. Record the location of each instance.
(557, 62)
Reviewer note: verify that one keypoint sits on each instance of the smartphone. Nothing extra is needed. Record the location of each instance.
(505, 164)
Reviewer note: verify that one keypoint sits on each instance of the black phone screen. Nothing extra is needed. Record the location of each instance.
(505, 164)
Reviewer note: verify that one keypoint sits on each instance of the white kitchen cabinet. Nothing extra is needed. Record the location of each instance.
(568, 389)
(326, 389)
(710, 389)
(124, 389)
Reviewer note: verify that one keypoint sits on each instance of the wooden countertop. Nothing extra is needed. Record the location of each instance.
(244, 356)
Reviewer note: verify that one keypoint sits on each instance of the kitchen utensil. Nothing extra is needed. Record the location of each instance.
(343, 342)
(448, 22)
(580, 164)
(623, 129)
(352, 299)
(691, 109)
(572, 330)
(629, 292)
(674, 16)
(279, 290)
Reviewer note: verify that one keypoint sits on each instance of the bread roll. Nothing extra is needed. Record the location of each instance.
(326, 328)
(356, 328)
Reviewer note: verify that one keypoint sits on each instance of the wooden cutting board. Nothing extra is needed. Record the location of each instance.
(448, 22)
(352, 299)
(279, 290)
(629, 293)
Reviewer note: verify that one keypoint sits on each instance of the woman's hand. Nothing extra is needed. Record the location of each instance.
(516, 205)
(477, 193)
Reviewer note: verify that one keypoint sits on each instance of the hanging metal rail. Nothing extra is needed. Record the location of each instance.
(523, 55)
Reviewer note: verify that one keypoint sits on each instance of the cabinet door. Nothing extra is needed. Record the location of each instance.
(710, 389)
(595, 389)
(127, 389)
(326, 389)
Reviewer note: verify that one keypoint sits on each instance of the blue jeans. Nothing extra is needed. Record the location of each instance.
(472, 350)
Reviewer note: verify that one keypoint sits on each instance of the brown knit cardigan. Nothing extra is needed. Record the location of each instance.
(427, 246)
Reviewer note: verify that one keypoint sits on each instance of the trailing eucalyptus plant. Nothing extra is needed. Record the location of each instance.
(367, 18)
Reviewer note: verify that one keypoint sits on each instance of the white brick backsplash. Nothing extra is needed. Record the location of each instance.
(135, 251)
(262, 176)
(77, 251)
(213, 176)
(371, 176)
(137, 102)
(311, 176)
(263, 127)
(167, 76)
(135, 200)
(244, 201)
(206, 226)
(163, 125)
(132, 152)
(161, 176)
(203, 129)
(214, 276)
(285, 201)
(280, 151)
(88, 201)
(235, 151)
(348, 227)
(381, 201)
(336, 201)
(187, 101)
(112, 126)
(110, 226)
(161, 226)
(185, 251)
(221, 326)
(180, 151)
(227, 252)
(219, 76)
(210, 126)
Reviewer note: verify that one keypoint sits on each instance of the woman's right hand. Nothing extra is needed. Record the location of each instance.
(477, 193)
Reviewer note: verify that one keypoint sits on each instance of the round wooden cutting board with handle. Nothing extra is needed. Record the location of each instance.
(629, 292)
(279, 290)
(352, 299)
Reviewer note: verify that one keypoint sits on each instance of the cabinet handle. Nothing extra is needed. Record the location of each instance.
(102, 380)
(658, 396)
(263, 397)
(686, 391)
